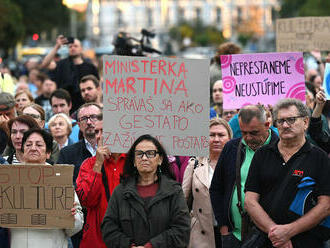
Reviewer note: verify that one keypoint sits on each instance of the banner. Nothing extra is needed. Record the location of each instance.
(326, 81)
(261, 78)
(36, 196)
(164, 97)
(303, 34)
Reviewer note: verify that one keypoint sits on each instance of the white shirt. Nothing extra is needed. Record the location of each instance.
(90, 148)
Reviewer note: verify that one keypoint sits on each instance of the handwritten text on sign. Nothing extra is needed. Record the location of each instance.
(167, 98)
(36, 196)
(303, 34)
(262, 78)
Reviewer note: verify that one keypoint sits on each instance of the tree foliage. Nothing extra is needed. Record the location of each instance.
(11, 25)
(41, 15)
(199, 34)
(294, 8)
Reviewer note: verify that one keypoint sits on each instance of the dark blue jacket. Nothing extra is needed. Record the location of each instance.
(74, 154)
(223, 180)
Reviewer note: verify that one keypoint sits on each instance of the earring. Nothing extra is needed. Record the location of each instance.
(159, 169)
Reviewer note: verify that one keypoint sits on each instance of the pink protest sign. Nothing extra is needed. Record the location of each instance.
(262, 78)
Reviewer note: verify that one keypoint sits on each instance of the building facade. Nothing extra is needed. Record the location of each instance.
(105, 18)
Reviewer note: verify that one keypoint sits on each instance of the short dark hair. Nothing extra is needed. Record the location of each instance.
(287, 103)
(88, 104)
(92, 78)
(42, 77)
(44, 134)
(61, 94)
(25, 119)
(247, 113)
(130, 170)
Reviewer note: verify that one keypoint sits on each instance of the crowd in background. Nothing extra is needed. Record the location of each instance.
(150, 208)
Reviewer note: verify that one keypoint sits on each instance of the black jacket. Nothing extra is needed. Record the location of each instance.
(74, 154)
(223, 181)
(164, 221)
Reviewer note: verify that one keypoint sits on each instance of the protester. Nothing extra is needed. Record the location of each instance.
(316, 130)
(7, 107)
(17, 127)
(60, 127)
(69, 71)
(38, 114)
(196, 183)
(60, 101)
(148, 208)
(90, 89)
(236, 156)
(276, 171)
(98, 176)
(223, 49)
(22, 99)
(47, 88)
(88, 115)
(178, 166)
(36, 148)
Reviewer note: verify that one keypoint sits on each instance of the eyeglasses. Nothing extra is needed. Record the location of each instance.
(229, 112)
(33, 116)
(149, 153)
(93, 118)
(289, 120)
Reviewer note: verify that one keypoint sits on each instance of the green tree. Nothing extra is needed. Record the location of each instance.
(200, 34)
(41, 15)
(11, 26)
(293, 8)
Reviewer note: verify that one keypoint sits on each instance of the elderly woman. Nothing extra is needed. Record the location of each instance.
(196, 182)
(17, 127)
(36, 148)
(22, 99)
(148, 208)
(60, 127)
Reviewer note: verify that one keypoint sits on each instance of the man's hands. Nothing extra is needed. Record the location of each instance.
(102, 153)
(279, 235)
(61, 40)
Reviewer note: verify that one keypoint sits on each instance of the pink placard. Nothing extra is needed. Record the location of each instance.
(261, 78)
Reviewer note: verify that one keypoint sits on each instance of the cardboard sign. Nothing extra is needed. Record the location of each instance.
(326, 81)
(261, 78)
(303, 34)
(164, 97)
(36, 196)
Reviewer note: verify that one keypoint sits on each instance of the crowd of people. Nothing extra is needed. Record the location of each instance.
(146, 198)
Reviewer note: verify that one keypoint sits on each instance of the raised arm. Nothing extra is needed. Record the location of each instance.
(61, 40)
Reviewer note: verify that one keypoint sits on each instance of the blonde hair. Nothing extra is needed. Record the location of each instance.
(66, 119)
(219, 121)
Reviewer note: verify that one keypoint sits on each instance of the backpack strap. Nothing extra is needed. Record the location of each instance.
(105, 183)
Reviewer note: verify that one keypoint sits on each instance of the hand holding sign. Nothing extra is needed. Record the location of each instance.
(102, 153)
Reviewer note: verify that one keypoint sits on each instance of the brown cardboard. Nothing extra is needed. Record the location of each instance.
(36, 196)
(303, 34)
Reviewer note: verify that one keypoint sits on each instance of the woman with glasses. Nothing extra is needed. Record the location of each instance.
(148, 208)
(38, 114)
(60, 127)
(196, 182)
(17, 127)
